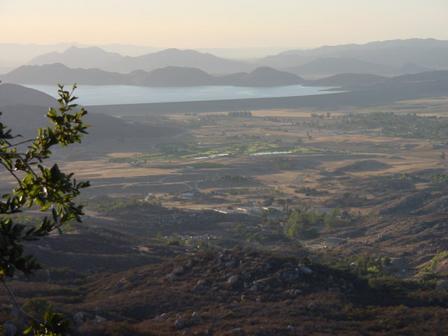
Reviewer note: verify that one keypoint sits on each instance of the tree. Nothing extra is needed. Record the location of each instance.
(38, 186)
(302, 224)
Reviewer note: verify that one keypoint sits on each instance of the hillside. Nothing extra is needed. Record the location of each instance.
(263, 76)
(171, 76)
(348, 80)
(323, 67)
(106, 133)
(430, 76)
(241, 293)
(56, 73)
(12, 94)
(362, 81)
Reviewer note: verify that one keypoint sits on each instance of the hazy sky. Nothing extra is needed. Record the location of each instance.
(220, 23)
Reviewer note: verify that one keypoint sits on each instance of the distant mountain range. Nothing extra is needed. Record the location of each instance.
(98, 58)
(165, 77)
(347, 66)
(53, 74)
(323, 67)
(425, 52)
(350, 81)
(13, 55)
(361, 82)
(386, 58)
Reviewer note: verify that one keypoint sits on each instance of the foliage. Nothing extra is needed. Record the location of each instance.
(38, 186)
(439, 179)
(306, 224)
(364, 266)
(367, 266)
(332, 219)
(53, 324)
(303, 224)
(430, 267)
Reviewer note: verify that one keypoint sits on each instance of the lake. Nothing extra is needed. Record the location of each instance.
(125, 94)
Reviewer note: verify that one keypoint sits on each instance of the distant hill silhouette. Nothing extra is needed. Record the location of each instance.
(89, 57)
(180, 76)
(59, 73)
(177, 76)
(437, 81)
(173, 76)
(398, 55)
(430, 76)
(13, 55)
(93, 57)
(389, 58)
(165, 77)
(323, 67)
(263, 76)
(348, 80)
(412, 68)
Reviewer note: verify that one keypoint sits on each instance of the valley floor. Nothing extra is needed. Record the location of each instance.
(272, 222)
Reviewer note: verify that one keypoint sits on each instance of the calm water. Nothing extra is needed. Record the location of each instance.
(123, 94)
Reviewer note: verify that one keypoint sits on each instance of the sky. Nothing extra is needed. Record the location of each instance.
(221, 23)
